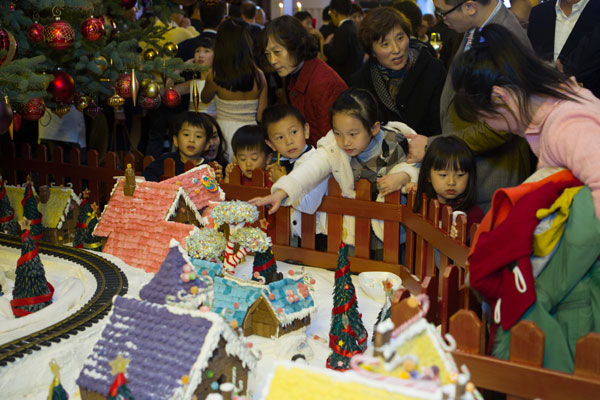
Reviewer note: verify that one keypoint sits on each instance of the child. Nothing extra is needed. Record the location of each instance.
(357, 147)
(285, 131)
(190, 137)
(448, 174)
(215, 153)
(250, 151)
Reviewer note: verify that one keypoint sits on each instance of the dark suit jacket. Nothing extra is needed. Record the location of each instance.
(344, 53)
(542, 22)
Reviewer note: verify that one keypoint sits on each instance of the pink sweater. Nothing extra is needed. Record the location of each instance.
(566, 133)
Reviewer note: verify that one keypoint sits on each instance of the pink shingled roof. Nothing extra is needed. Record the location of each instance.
(136, 226)
(191, 182)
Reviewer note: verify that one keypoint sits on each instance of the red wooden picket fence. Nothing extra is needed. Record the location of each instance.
(452, 305)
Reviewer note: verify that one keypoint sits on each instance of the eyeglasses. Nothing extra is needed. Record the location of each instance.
(442, 14)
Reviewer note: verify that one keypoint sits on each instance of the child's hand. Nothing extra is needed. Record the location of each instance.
(410, 186)
(228, 170)
(453, 231)
(274, 201)
(218, 170)
(276, 171)
(392, 182)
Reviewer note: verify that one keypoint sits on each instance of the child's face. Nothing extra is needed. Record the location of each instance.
(204, 56)
(448, 184)
(212, 146)
(249, 159)
(191, 142)
(350, 133)
(288, 136)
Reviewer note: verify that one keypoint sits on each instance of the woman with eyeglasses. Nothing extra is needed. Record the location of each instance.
(502, 83)
(404, 78)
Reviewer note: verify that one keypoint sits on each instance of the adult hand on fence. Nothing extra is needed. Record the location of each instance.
(273, 201)
(416, 147)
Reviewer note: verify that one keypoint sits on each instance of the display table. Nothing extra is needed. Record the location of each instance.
(29, 377)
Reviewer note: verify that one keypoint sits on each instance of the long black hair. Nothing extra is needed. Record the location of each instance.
(450, 153)
(221, 157)
(233, 65)
(498, 58)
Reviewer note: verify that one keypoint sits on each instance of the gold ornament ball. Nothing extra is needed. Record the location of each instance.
(115, 101)
(170, 49)
(82, 103)
(152, 90)
(61, 110)
(102, 63)
(149, 54)
(145, 83)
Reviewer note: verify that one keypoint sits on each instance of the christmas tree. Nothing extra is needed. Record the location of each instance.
(90, 241)
(8, 223)
(264, 262)
(31, 212)
(386, 309)
(87, 50)
(347, 334)
(119, 390)
(57, 392)
(85, 210)
(31, 292)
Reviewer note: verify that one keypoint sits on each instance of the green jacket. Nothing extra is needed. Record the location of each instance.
(568, 290)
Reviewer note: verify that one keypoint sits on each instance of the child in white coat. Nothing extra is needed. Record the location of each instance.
(357, 147)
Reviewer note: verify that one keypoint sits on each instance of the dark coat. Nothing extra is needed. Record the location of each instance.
(313, 92)
(344, 53)
(155, 170)
(418, 100)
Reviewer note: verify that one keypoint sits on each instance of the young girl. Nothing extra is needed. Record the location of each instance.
(357, 147)
(239, 85)
(448, 174)
(215, 153)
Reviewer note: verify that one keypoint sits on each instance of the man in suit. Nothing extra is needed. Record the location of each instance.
(502, 159)
(342, 48)
(558, 29)
(212, 15)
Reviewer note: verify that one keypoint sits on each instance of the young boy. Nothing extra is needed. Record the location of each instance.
(190, 137)
(285, 131)
(250, 151)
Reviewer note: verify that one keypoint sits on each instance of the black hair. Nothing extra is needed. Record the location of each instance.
(356, 8)
(412, 12)
(342, 7)
(325, 14)
(212, 13)
(196, 120)
(221, 157)
(276, 113)
(233, 65)
(249, 137)
(205, 40)
(447, 152)
(498, 58)
(302, 15)
(291, 34)
(248, 9)
(358, 103)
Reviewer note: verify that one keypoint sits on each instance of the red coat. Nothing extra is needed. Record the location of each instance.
(313, 92)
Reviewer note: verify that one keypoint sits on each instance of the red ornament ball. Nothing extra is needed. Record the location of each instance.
(6, 115)
(149, 103)
(127, 4)
(35, 32)
(59, 35)
(92, 29)
(62, 87)
(8, 43)
(16, 122)
(172, 98)
(123, 85)
(34, 109)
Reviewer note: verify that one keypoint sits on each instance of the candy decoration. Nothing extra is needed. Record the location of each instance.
(34, 109)
(185, 379)
(214, 385)
(35, 32)
(210, 183)
(6, 115)
(232, 212)
(206, 244)
(62, 87)
(59, 35)
(172, 98)
(92, 29)
(8, 43)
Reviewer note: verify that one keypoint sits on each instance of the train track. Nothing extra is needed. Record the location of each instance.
(110, 281)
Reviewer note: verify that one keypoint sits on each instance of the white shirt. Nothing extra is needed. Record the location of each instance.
(564, 25)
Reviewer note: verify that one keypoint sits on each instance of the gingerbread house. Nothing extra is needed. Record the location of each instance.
(172, 352)
(139, 226)
(266, 310)
(200, 185)
(59, 207)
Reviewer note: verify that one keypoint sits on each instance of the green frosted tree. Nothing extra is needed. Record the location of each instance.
(8, 222)
(31, 212)
(90, 241)
(31, 292)
(265, 265)
(85, 212)
(347, 334)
